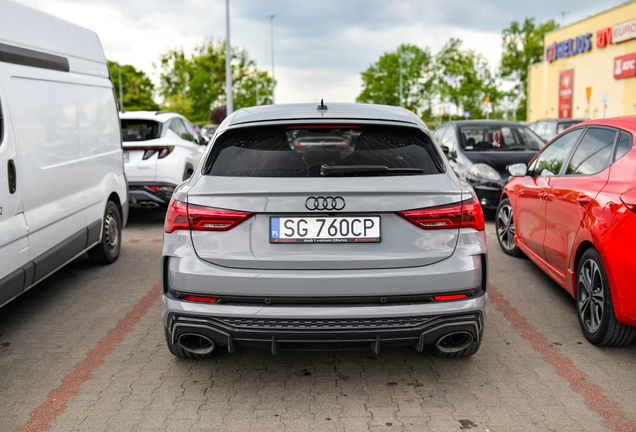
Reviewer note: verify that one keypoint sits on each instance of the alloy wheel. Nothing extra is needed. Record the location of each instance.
(591, 298)
(506, 227)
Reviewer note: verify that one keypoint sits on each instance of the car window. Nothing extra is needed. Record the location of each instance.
(303, 151)
(550, 161)
(624, 145)
(450, 140)
(493, 137)
(539, 129)
(593, 153)
(190, 132)
(140, 130)
(561, 126)
(439, 132)
(177, 127)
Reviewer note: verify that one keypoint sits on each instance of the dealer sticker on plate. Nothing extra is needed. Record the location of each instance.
(327, 229)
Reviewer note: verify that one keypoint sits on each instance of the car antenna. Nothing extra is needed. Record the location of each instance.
(322, 105)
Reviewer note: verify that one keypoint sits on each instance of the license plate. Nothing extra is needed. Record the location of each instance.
(328, 229)
(126, 156)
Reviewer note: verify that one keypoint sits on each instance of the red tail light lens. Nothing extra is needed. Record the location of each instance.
(629, 199)
(176, 217)
(211, 219)
(182, 216)
(465, 214)
(165, 151)
(148, 153)
(450, 297)
(201, 299)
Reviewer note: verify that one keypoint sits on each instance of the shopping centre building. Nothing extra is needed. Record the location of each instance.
(597, 52)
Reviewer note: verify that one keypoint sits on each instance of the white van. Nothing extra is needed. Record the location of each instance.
(62, 185)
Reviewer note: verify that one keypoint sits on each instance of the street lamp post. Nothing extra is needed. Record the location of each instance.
(271, 23)
(229, 106)
(400, 59)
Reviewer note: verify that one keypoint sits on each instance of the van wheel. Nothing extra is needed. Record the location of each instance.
(107, 251)
(595, 307)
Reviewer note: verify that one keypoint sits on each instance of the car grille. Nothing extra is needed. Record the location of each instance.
(327, 324)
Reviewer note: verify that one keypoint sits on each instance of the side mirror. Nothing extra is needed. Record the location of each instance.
(446, 150)
(517, 170)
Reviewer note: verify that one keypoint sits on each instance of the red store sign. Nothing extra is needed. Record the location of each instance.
(566, 79)
(625, 66)
(616, 34)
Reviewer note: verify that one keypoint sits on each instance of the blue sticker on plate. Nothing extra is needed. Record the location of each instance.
(275, 227)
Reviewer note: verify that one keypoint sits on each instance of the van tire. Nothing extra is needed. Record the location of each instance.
(107, 250)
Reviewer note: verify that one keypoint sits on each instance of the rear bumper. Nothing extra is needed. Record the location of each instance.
(331, 328)
(139, 193)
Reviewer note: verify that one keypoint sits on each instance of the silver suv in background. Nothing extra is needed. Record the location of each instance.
(338, 227)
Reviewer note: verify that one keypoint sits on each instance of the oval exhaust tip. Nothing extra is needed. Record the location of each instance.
(454, 342)
(196, 343)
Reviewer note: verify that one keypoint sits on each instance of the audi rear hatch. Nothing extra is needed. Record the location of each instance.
(324, 197)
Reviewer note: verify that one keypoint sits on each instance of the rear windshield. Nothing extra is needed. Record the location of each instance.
(140, 130)
(492, 137)
(315, 151)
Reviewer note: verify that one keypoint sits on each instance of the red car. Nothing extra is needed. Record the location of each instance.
(574, 208)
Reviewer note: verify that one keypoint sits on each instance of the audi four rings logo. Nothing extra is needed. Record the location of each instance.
(325, 203)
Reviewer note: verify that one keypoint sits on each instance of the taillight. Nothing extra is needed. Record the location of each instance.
(450, 297)
(148, 153)
(182, 216)
(161, 188)
(177, 216)
(465, 214)
(201, 299)
(165, 151)
(629, 199)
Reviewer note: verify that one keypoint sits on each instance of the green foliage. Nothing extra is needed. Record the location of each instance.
(522, 47)
(464, 78)
(179, 104)
(136, 87)
(200, 79)
(381, 81)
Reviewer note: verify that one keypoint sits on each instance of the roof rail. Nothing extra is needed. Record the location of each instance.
(165, 112)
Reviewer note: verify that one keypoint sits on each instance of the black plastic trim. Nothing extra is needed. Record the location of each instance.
(94, 231)
(328, 301)
(59, 255)
(27, 57)
(11, 285)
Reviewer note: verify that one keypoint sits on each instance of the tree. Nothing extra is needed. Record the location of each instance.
(200, 79)
(464, 77)
(136, 87)
(381, 81)
(523, 46)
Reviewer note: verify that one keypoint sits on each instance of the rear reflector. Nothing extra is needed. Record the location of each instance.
(201, 299)
(629, 199)
(323, 127)
(450, 297)
(465, 214)
(182, 216)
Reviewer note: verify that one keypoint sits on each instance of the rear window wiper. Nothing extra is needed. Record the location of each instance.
(330, 170)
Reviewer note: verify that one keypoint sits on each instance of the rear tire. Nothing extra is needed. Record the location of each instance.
(595, 307)
(466, 352)
(177, 351)
(505, 225)
(107, 250)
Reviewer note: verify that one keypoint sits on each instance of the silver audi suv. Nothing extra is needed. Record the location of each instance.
(324, 227)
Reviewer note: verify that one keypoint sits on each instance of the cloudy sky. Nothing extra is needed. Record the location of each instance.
(321, 46)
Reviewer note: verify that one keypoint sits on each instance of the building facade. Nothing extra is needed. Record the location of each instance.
(597, 56)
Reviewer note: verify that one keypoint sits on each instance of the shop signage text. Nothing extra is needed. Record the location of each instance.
(616, 34)
(569, 47)
(625, 66)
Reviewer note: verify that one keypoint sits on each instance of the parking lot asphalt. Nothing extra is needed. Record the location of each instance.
(84, 350)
